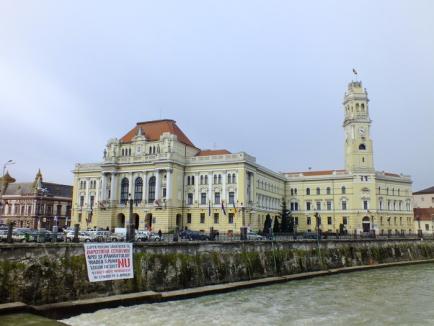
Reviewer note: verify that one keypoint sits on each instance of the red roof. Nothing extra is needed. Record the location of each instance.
(208, 152)
(316, 173)
(152, 130)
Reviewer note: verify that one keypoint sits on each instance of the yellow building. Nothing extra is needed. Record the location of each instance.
(174, 184)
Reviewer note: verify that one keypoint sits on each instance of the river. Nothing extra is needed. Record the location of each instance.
(390, 296)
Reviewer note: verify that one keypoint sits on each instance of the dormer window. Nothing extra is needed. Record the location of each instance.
(362, 147)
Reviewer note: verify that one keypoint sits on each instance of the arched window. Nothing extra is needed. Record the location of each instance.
(158, 149)
(192, 180)
(124, 190)
(318, 191)
(215, 178)
(151, 189)
(206, 179)
(201, 179)
(122, 151)
(343, 190)
(229, 178)
(307, 191)
(362, 147)
(329, 191)
(363, 107)
(150, 150)
(357, 107)
(138, 190)
(233, 178)
(188, 180)
(220, 178)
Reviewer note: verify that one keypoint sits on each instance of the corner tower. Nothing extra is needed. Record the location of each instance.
(359, 155)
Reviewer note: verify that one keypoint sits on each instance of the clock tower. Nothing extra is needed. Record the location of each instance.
(359, 155)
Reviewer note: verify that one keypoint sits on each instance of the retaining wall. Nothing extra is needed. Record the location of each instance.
(48, 273)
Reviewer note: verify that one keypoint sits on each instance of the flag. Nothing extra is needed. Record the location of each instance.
(223, 208)
(235, 208)
(209, 207)
(354, 71)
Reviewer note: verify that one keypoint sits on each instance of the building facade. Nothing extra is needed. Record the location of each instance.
(37, 204)
(423, 203)
(173, 184)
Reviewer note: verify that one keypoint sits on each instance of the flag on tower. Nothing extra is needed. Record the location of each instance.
(354, 72)
(235, 208)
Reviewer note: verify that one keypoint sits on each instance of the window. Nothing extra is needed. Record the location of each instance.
(192, 180)
(231, 197)
(201, 179)
(231, 218)
(329, 205)
(318, 205)
(190, 199)
(217, 198)
(234, 180)
(220, 179)
(58, 210)
(206, 179)
(216, 218)
(81, 204)
(329, 220)
(151, 189)
(343, 190)
(296, 220)
(215, 178)
(79, 217)
(318, 191)
(138, 190)
(345, 220)
(344, 205)
(365, 205)
(188, 218)
(124, 190)
(202, 218)
(188, 180)
(308, 220)
(362, 147)
(329, 191)
(203, 198)
(229, 178)
(426, 227)
(164, 192)
(307, 191)
(308, 206)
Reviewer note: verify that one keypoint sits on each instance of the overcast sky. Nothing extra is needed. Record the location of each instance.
(265, 77)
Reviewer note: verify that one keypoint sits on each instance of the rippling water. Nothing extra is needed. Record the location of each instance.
(391, 296)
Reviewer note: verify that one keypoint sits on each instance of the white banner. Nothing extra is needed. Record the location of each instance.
(109, 261)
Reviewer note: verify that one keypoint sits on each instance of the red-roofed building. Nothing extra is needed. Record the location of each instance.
(173, 184)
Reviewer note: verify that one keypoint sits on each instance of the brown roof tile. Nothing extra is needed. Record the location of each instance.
(152, 130)
(208, 152)
(429, 190)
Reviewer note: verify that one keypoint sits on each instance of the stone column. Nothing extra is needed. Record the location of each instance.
(145, 187)
(196, 187)
(130, 184)
(210, 181)
(157, 184)
(169, 185)
(224, 176)
(113, 190)
(103, 187)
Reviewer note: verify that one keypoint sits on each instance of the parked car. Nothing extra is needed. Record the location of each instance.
(3, 235)
(193, 235)
(254, 236)
(142, 236)
(117, 237)
(82, 237)
(99, 236)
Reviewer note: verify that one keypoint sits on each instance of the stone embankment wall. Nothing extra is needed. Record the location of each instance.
(47, 273)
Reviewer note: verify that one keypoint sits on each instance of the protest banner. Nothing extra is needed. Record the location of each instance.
(109, 261)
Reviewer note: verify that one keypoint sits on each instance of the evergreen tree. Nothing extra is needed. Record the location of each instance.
(285, 227)
(267, 225)
(276, 226)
